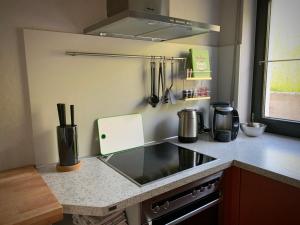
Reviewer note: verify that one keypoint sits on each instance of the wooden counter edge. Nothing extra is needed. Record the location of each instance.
(51, 213)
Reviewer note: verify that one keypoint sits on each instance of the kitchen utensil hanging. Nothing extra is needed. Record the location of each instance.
(150, 99)
(164, 98)
(160, 80)
(164, 94)
(153, 99)
(169, 93)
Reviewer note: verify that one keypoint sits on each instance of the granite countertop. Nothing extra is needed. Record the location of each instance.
(96, 189)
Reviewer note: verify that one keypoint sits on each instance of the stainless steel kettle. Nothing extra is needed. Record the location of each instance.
(190, 124)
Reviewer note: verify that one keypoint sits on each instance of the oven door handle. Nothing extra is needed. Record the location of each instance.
(194, 212)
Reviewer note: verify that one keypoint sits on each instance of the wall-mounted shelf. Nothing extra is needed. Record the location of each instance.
(198, 78)
(196, 98)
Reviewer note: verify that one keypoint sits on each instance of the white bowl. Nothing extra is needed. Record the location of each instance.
(253, 129)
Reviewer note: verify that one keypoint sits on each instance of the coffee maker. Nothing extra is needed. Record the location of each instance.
(224, 122)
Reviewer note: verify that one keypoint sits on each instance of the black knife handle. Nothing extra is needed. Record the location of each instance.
(61, 116)
(72, 115)
(63, 113)
(59, 113)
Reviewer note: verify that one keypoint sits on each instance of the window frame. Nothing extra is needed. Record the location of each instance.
(274, 125)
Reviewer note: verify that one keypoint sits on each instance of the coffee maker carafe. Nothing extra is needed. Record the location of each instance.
(224, 122)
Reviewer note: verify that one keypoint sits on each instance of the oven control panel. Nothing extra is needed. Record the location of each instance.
(192, 194)
(179, 197)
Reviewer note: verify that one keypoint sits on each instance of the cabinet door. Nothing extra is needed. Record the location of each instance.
(264, 201)
(229, 207)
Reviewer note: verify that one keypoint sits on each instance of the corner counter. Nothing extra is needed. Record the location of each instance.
(97, 190)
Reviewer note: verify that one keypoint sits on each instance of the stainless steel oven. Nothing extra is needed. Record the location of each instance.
(195, 203)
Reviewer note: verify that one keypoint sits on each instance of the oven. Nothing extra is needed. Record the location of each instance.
(195, 203)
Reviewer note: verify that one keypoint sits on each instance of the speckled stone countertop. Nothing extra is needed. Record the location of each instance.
(96, 188)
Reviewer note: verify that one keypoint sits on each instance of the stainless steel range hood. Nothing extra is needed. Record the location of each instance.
(146, 20)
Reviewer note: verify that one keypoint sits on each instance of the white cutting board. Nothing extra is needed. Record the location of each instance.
(120, 133)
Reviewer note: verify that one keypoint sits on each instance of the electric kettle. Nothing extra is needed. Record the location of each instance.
(190, 124)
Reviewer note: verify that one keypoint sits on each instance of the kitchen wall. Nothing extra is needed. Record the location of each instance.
(230, 38)
(236, 54)
(246, 59)
(98, 86)
(16, 148)
(71, 16)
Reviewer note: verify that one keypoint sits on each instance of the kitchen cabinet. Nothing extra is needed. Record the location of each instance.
(229, 207)
(266, 201)
(250, 199)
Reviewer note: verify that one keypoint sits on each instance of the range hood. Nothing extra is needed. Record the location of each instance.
(146, 20)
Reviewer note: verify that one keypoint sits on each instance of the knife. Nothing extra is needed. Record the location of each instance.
(61, 109)
(72, 115)
(59, 113)
(63, 113)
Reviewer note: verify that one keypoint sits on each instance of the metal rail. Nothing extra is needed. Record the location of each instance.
(123, 55)
(277, 60)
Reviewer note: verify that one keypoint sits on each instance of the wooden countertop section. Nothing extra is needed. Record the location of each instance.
(26, 199)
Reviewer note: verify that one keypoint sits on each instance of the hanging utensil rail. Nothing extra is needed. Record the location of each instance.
(123, 55)
(277, 60)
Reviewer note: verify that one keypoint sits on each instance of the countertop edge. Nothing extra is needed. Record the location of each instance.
(247, 154)
(122, 205)
(267, 173)
(25, 184)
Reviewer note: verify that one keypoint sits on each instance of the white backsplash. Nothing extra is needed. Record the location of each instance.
(98, 87)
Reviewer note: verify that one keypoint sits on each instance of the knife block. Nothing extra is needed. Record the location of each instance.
(67, 148)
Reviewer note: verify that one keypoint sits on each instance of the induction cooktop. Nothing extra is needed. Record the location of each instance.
(145, 164)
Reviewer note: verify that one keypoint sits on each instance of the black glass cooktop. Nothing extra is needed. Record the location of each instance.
(149, 163)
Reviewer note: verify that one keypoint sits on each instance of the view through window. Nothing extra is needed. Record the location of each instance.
(282, 90)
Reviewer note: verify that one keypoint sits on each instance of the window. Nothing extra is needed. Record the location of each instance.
(276, 82)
